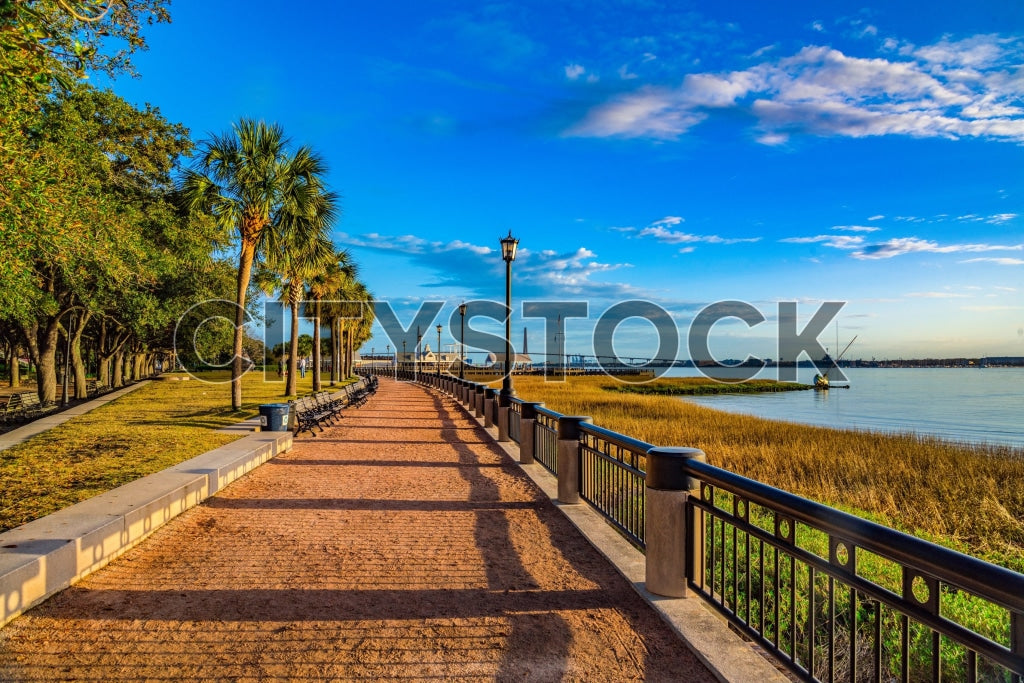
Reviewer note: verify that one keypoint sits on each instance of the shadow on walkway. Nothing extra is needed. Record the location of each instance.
(402, 543)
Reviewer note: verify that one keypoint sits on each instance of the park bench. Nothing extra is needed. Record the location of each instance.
(358, 393)
(311, 413)
(24, 406)
(320, 408)
(93, 388)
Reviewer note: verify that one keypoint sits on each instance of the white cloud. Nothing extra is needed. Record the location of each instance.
(476, 268)
(908, 245)
(660, 233)
(1001, 218)
(998, 262)
(648, 57)
(625, 74)
(818, 26)
(669, 221)
(646, 113)
(835, 241)
(574, 71)
(877, 217)
(856, 228)
(969, 88)
(1005, 289)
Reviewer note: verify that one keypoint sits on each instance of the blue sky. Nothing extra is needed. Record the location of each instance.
(681, 153)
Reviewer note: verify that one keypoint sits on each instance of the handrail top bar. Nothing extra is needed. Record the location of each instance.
(984, 579)
(548, 412)
(616, 438)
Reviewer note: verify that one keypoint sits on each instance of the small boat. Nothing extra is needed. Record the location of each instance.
(822, 383)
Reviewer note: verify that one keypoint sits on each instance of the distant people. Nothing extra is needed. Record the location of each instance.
(280, 368)
(302, 368)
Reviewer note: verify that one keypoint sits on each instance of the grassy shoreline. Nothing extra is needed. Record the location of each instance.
(700, 386)
(967, 497)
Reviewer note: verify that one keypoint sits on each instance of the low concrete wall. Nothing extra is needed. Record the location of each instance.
(49, 554)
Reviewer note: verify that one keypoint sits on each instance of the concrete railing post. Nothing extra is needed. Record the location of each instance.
(490, 401)
(569, 458)
(504, 409)
(675, 545)
(526, 427)
(478, 402)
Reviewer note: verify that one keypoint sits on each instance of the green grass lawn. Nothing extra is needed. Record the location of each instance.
(146, 431)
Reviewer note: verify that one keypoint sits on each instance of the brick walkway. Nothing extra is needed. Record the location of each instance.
(400, 544)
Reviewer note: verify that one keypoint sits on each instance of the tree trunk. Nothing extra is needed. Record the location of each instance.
(77, 364)
(351, 352)
(118, 368)
(333, 370)
(336, 350)
(15, 366)
(43, 347)
(316, 346)
(245, 260)
(293, 352)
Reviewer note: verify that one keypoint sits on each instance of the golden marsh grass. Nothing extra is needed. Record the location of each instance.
(964, 496)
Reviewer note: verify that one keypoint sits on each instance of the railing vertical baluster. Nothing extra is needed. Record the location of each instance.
(853, 634)
(725, 560)
(778, 599)
(905, 649)
(746, 538)
(831, 629)
(878, 640)
(764, 576)
(792, 606)
(812, 614)
(735, 571)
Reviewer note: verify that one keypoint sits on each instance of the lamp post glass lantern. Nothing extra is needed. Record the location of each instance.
(508, 254)
(462, 342)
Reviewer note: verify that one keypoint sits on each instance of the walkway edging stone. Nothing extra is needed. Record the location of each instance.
(45, 556)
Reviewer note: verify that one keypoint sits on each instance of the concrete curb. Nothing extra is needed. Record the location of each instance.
(723, 652)
(49, 554)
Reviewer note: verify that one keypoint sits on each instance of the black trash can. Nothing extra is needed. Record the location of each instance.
(274, 417)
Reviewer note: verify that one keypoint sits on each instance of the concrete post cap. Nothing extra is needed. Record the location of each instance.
(569, 426)
(530, 410)
(665, 468)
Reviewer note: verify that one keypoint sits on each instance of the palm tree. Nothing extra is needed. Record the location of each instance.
(248, 182)
(326, 284)
(298, 249)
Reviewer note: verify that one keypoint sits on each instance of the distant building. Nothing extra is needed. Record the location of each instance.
(522, 361)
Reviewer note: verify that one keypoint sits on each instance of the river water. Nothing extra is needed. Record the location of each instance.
(969, 405)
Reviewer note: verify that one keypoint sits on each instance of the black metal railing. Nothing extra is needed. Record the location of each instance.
(612, 478)
(515, 416)
(838, 598)
(833, 596)
(545, 439)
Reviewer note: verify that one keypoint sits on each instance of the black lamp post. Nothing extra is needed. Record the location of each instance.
(438, 350)
(508, 253)
(462, 342)
(403, 351)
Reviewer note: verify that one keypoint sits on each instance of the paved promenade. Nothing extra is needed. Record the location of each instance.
(401, 544)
